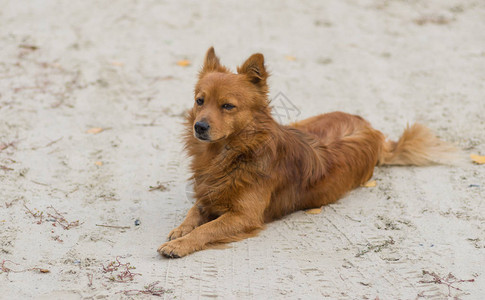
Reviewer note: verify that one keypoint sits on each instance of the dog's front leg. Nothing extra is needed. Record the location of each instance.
(246, 217)
(193, 219)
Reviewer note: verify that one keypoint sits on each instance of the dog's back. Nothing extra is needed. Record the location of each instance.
(349, 148)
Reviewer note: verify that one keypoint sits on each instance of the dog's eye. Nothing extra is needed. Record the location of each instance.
(227, 106)
(199, 101)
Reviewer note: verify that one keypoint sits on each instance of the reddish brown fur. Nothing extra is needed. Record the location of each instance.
(255, 170)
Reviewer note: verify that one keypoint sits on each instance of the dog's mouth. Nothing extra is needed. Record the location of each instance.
(206, 138)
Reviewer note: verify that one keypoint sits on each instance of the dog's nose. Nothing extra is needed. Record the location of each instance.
(201, 127)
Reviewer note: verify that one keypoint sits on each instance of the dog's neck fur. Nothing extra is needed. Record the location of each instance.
(262, 137)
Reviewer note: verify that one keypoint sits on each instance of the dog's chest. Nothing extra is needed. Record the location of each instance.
(220, 180)
(216, 189)
(214, 192)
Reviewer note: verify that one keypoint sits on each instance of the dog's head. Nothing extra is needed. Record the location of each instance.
(226, 102)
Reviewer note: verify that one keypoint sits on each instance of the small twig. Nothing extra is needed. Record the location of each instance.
(61, 220)
(90, 279)
(160, 187)
(5, 269)
(48, 144)
(57, 238)
(5, 146)
(38, 215)
(54, 188)
(39, 183)
(449, 280)
(5, 168)
(74, 190)
(56, 218)
(124, 275)
(113, 226)
(352, 219)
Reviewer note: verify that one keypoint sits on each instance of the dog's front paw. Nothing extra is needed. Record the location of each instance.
(180, 232)
(177, 248)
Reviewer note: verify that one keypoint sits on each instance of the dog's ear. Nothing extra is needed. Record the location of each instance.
(211, 63)
(254, 69)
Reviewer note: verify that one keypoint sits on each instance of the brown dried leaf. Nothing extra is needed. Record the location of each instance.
(95, 130)
(371, 183)
(44, 271)
(313, 211)
(183, 62)
(478, 159)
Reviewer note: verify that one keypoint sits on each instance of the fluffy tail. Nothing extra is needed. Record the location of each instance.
(420, 147)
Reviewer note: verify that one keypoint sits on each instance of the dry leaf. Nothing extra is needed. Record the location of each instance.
(371, 183)
(44, 271)
(290, 58)
(313, 211)
(29, 47)
(98, 163)
(95, 130)
(117, 63)
(183, 62)
(478, 159)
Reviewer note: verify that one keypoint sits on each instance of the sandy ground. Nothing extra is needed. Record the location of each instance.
(67, 67)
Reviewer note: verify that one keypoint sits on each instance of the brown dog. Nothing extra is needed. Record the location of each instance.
(249, 170)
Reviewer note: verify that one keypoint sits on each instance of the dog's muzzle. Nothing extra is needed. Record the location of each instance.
(202, 130)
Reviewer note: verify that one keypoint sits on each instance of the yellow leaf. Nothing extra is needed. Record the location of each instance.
(478, 159)
(314, 211)
(44, 271)
(183, 62)
(290, 57)
(98, 163)
(371, 183)
(95, 130)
